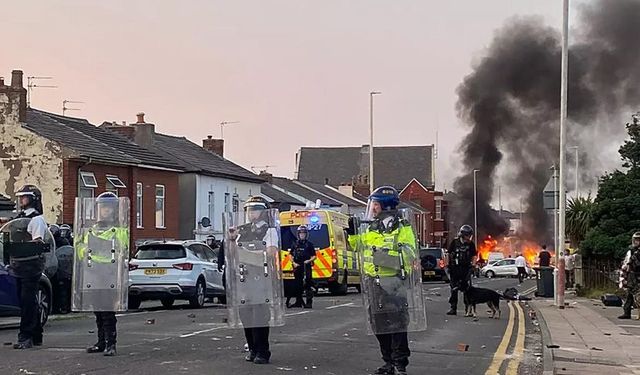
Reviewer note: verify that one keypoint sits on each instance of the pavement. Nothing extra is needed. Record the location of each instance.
(329, 339)
(587, 338)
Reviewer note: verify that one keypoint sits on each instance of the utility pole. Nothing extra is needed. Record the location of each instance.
(371, 182)
(559, 270)
(577, 190)
(475, 207)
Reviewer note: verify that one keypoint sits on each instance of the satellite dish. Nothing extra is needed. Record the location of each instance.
(205, 222)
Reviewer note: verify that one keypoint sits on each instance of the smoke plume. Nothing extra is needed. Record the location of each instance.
(511, 102)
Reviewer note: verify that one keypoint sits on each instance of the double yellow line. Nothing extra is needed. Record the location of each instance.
(501, 353)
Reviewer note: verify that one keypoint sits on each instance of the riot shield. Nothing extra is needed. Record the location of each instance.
(255, 296)
(27, 258)
(391, 275)
(100, 279)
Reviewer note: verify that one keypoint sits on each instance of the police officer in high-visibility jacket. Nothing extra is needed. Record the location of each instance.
(388, 246)
(100, 265)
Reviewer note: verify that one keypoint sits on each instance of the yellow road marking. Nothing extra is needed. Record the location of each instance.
(501, 352)
(518, 350)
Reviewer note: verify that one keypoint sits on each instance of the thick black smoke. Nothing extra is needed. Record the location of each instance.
(511, 102)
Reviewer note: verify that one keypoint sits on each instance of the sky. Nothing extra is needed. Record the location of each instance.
(293, 73)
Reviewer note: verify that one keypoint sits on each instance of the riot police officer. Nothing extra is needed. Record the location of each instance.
(28, 266)
(303, 254)
(630, 276)
(254, 289)
(100, 247)
(66, 233)
(460, 259)
(389, 264)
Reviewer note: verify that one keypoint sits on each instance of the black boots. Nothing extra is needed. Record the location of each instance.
(27, 344)
(250, 357)
(309, 304)
(97, 348)
(110, 351)
(387, 369)
(452, 311)
(626, 315)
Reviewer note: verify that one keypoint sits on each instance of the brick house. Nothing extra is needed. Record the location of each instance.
(209, 185)
(69, 157)
(435, 227)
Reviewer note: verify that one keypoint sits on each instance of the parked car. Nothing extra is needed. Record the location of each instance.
(504, 267)
(166, 271)
(9, 302)
(432, 261)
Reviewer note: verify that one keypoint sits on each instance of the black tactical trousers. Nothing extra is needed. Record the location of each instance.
(303, 283)
(628, 303)
(258, 341)
(106, 323)
(30, 324)
(458, 278)
(395, 348)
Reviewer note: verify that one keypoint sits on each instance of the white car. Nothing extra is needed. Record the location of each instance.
(171, 270)
(504, 267)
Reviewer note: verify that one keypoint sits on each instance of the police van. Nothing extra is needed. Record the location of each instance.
(336, 266)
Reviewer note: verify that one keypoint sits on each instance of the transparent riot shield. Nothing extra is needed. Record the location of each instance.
(27, 258)
(391, 278)
(255, 296)
(100, 278)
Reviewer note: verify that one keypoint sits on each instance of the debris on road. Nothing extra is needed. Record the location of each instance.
(463, 347)
(150, 321)
(284, 368)
(437, 294)
(191, 315)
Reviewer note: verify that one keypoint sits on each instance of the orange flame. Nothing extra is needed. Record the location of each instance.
(487, 246)
(510, 247)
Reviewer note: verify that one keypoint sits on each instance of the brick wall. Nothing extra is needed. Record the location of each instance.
(414, 192)
(129, 176)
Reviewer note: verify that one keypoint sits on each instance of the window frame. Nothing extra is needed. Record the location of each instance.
(163, 198)
(227, 202)
(115, 181)
(139, 205)
(438, 209)
(85, 174)
(211, 207)
(235, 203)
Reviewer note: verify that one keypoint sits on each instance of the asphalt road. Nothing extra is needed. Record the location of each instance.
(330, 339)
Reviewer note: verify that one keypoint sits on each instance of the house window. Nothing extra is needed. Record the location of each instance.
(160, 197)
(86, 185)
(236, 203)
(114, 183)
(227, 199)
(438, 210)
(211, 206)
(139, 205)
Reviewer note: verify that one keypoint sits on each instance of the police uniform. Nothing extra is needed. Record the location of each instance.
(630, 280)
(257, 337)
(303, 250)
(105, 320)
(460, 254)
(389, 232)
(28, 271)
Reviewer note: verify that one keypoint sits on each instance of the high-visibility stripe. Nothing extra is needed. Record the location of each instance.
(287, 264)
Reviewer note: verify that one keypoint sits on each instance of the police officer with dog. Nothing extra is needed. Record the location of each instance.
(460, 259)
(630, 276)
(25, 241)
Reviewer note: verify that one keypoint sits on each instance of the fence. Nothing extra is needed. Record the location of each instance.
(600, 273)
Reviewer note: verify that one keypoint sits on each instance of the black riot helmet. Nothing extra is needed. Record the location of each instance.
(65, 231)
(303, 232)
(33, 198)
(107, 209)
(465, 231)
(55, 230)
(254, 208)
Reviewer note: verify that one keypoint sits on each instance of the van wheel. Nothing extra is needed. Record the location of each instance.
(44, 304)
(359, 288)
(197, 301)
(339, 289)
(490, 274)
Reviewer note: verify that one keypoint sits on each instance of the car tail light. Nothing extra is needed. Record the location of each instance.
(334, 256)
(441, 263)
(183, 266)
(133, 267)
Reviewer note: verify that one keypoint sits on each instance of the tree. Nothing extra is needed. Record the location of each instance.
(616, 213)
(579, 218)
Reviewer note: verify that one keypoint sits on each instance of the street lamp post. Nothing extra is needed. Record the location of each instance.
(577, 168)
(371, 95)
(559, 291)
(475, 207)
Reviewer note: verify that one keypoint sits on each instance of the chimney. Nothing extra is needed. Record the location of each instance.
(214, 145)
(346, 190)
(13, 99)
(144, 132)
(266, 176)
(16, 79)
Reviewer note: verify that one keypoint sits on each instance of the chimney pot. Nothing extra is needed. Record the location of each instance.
(209, 137)
(16, 79)
(1, 81)
(140, 116)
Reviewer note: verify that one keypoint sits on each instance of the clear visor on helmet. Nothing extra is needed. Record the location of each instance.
(107, 211)
(374, 208)
(253, 212)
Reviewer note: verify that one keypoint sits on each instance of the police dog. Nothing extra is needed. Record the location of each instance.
(474, 296)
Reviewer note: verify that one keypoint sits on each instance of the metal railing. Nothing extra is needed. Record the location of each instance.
(600, 273)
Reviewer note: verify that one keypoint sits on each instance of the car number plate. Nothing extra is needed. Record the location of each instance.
(288, 275)
(155, 271)
(429, 273)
